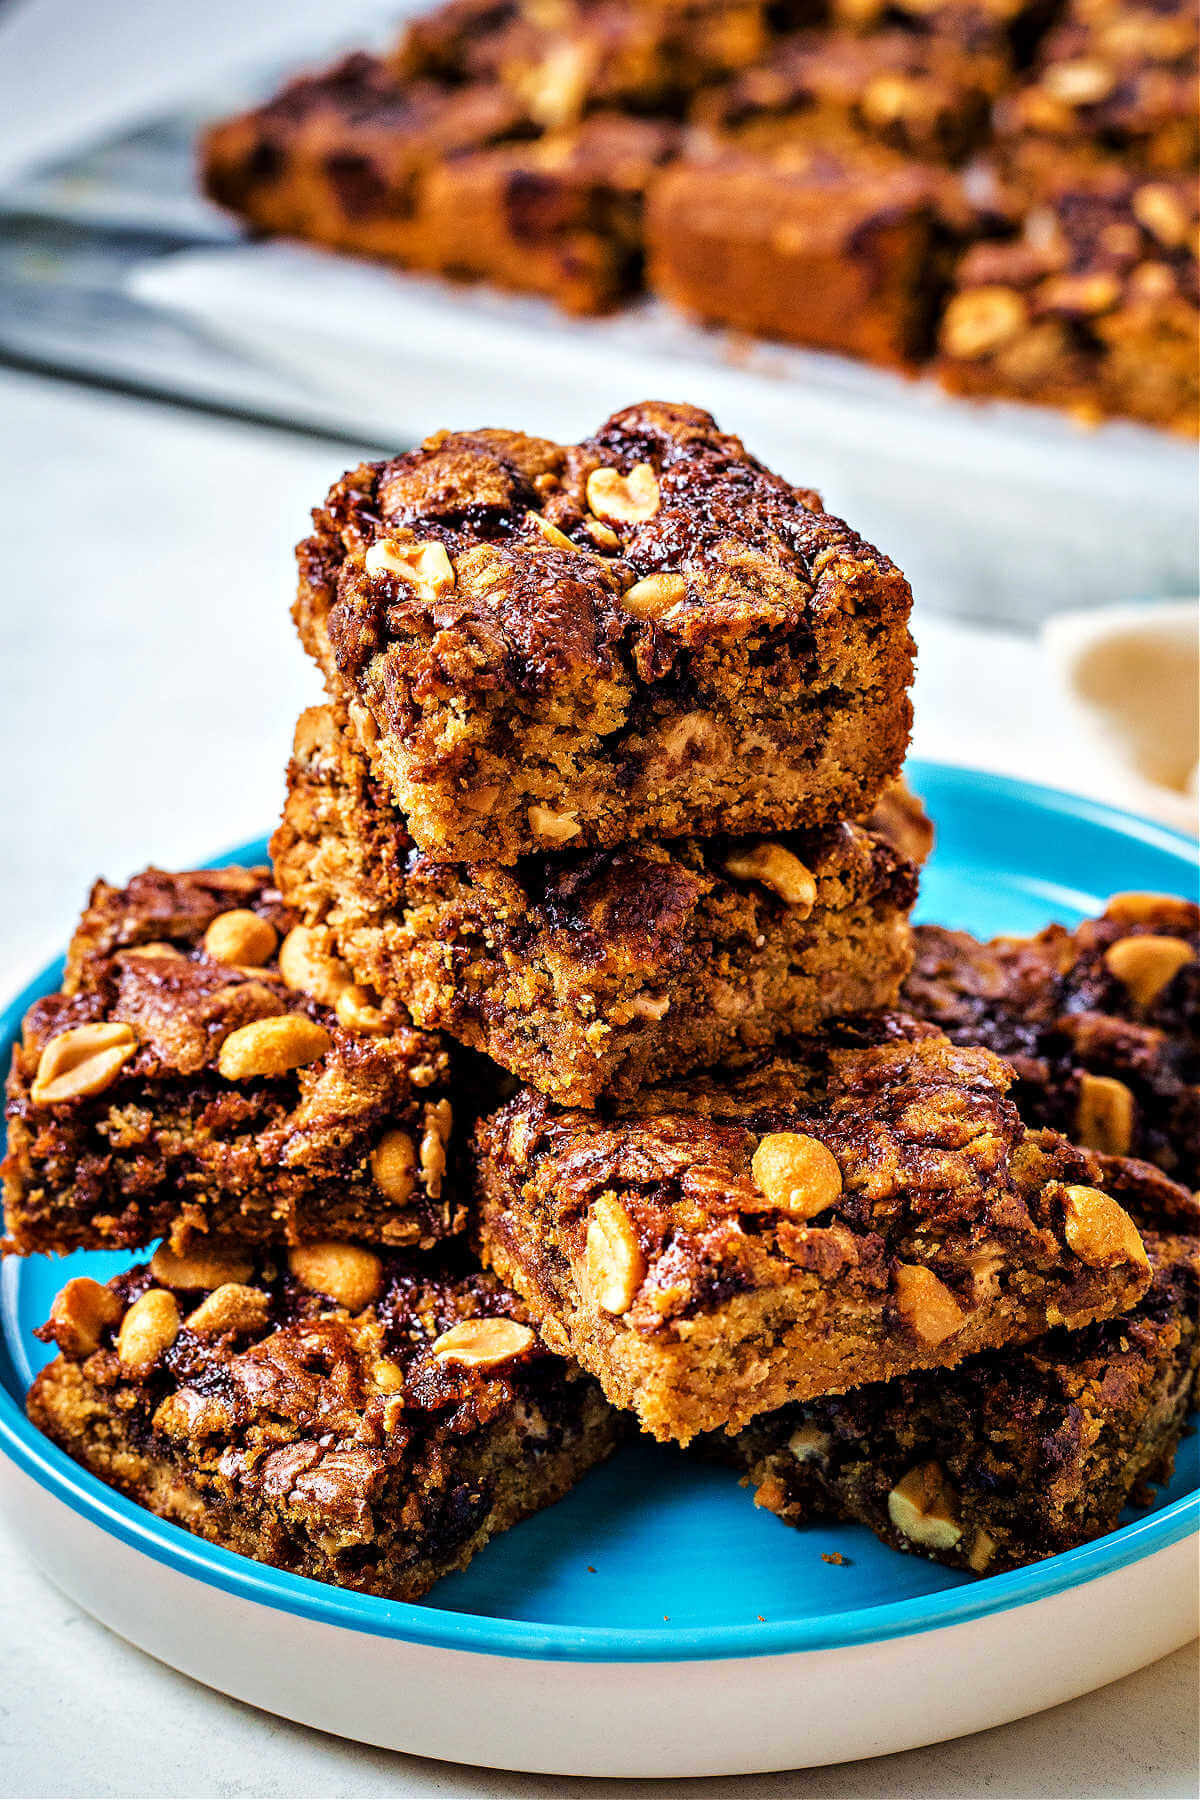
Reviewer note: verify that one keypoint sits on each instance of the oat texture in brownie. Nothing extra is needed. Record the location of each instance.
(207, 1069)
(1101, 1024)
(867, 1205)
(593, 971)
(1017, 1454)
(647, 634)
(363, 1419)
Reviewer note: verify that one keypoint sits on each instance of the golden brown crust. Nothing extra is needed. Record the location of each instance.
(955, 1228)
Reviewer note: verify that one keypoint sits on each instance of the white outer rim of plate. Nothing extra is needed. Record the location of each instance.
(729, 1716)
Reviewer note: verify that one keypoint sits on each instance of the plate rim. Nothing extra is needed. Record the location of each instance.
(422, 1624)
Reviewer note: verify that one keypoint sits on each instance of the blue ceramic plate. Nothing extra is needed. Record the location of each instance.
(654, 1557)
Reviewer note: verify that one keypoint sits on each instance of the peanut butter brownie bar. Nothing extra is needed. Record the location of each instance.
(457, 181)
(365, 1420)
(1095, 306)
(1119, 75)
(203, 1072)
(597, 971)
(1101, 1024)
(923, 95)
(869, 1205)
(574, 56)
(831, 243)
(1016, 1454)
(644, 635)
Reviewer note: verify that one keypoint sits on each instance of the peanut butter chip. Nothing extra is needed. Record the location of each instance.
(80, 1312)
(241, 937)
(351, 1276)
(616, 1264)
(1104, 1115)
(926, 1304)
(924, 1508)
(655, 595)
(149, 1327)
(198, 1268)
(624, 499)
(82, 1061)
(797, 1173)
(778, 870)
(555, 827)
(1144, 965)
(808, 1443)
(393, 1165)
(231, 1307)
(308, 967)
(1100, 1232)
(425, 568)
(981, 320)
(483, 1343)
(268, 1047)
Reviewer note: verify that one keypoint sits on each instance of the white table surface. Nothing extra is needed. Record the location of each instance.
(149, 680)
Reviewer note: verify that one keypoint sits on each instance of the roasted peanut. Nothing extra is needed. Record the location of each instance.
(81, 1061)
(273, 1046)
(615, 1262)
(797, 1173)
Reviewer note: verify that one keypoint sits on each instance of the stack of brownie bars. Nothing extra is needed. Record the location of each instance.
(1003, 189)
(571, 1070)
